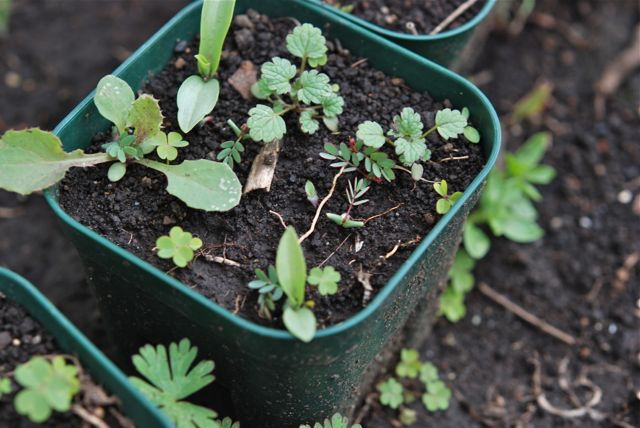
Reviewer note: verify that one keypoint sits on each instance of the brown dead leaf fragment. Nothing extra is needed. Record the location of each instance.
(243, 78)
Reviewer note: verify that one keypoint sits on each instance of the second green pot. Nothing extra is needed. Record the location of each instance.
(443, 48)
(275, 381)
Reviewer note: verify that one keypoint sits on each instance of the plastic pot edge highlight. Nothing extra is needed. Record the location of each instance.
(443, 48)
(71, 340)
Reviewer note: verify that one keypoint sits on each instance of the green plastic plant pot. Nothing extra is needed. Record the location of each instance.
(273, 379)
(70, 340)
(443, 48)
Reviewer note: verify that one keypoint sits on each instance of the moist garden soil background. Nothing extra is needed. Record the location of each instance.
(398, 15)
(135, 211)
(21, 338)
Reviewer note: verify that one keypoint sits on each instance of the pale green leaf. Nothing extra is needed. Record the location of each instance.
(308, 123)
(113, 99)
(215, 21)
(116, 171)
(450, 123)
(332, 106)
(408, 124)
(471, 134)
(196, 99)
(291, 267)
(300, 322)
(145, 117)
(307, 41)
(326, 279)
(476, 242)
(371, 134)
(265, 124)
(201, 184)
(314, 87)
(277, 75)
(410, 150)
(32, 160)
(261, 90)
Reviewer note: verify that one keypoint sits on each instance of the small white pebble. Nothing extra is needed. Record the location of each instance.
(451, 376)
(556, 223)
(16, 342)
(476, 320)
(625, 196)
(585, 222)
(613, 328)
(598, 326)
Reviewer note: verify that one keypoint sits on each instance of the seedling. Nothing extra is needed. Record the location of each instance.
(167, 379)
(506, 207)
(178, 246)
(290, 276)
(336, 421)
(375, 164)
(289, 88)
(226, 423)
(398, 392)
(312, 194)
(199, 93)
(355, 191)
(270, 291)
(326, 279)
(391, 393)
(200, 184)
(167, 145)
(445, 203)
(232, 150)
(47, 386)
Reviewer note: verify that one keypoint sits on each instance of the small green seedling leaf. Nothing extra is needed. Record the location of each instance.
(291, 267)
(226, 423)
(428, 373)
(167, 145)
(32, 160)
(201, 184)
(371, 134)
(314, 87)
(308, 43)
(326, 279)
(332, 106)
(336, 421)
(308, 124)
(461, 272)
(391, 393)
(113, 99)
(408, 124)
(532, 104)
(178, 246)
(215, 21)
(450, 123)
(265, 124)
(408, 416)
(471, 134)
(300, 322)
(277, 75)
(344, 221)
(409, 365)
(444, 204)
(167, 379)
(452, 305)
(437, 396)
(5, 386)
(116, 171)
(196, 99)
(411, 151)
(47, 386)
(312, 194)
(476, 242)
(145, 117)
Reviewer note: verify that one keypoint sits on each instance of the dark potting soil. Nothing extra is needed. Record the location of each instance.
(134, 212)
(21, 338)
(403, 15)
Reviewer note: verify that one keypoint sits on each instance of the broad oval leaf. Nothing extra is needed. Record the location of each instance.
(196, 99)
(291, 266)
(33, 159)
(300, 322)
(201, 184)
(475, 241)
(113, 99)
(371, 134)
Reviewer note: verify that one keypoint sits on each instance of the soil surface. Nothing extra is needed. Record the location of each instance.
(137, 210)
(52, 57)
(409, 16)
(575, 277)
(21, 338)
